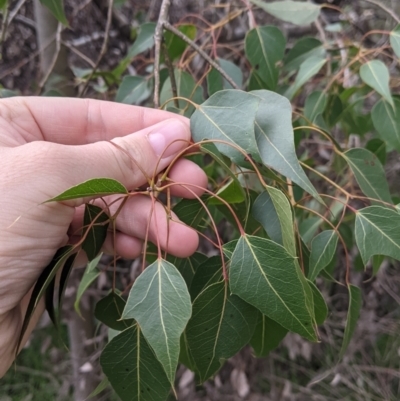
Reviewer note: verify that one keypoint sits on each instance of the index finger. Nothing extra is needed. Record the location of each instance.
(71, 121)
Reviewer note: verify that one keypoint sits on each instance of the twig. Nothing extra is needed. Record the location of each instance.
(158, 37)
(4, 27)
(42, 83)
(171, 74)
(103, 47)
(202, 53)
(14, 12)
(78, 53)
(386, 9)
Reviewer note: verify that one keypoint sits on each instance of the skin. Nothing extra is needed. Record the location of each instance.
(49, 145)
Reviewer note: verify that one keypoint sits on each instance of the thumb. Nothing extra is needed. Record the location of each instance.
(134, 159)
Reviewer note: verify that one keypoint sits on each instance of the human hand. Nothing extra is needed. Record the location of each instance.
(47, 146)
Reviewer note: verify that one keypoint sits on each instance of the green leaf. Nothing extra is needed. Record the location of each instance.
(302, 50)
(308, 68)
(186, 87)
(190, 212)
(65, 273)
(109, 311)
(209, 272)
(56, 7)
(228, 116)
(395, 40)
(101, 387)
(45, 279)
(232, 192)
(352, 317)
(221, 325)
(376, 75)
(275, 139)
(215, 81)
(377, 232)
(212, 150)
(323, 248)
(267, 336)
(175, 45)
(369, 174)
(378, 148)
(295, 12)
(90, 275)
(132, 368)
(133, 90)
(3, 5)
(94, 187)
(266, 276)
(387, 122)
(320, 307)
(144, 41)
(160, 302)
(188, 266)
(309, 227)
(315, 105)
(334, 110)
(272, 209)
(96, 221)
(264, 47)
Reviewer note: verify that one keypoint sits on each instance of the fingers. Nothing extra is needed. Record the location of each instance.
(189, 178)
(53, 168)
(77, 121)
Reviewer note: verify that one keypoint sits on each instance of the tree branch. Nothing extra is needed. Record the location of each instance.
(158, 37)
(103, 47)
(202, 53)
(386, 9)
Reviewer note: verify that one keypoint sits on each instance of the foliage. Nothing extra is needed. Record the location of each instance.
(286, 226)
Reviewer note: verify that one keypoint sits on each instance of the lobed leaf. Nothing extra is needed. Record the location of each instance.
(160, 302)
(266, 276)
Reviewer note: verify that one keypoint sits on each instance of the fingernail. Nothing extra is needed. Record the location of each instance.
(168, 138)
